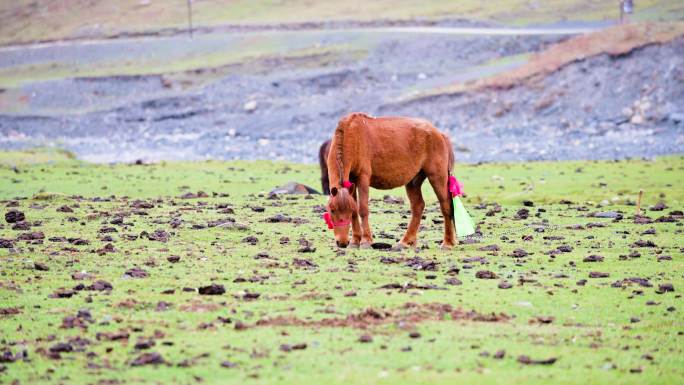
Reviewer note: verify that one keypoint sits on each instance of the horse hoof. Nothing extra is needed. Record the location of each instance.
(446, 246)
(400, 246)
(365, 245)
(353, 245)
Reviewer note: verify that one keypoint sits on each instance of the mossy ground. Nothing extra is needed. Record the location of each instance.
(598, 333)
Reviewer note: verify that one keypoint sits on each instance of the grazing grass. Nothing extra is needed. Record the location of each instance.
(24, 21)
(294, 317)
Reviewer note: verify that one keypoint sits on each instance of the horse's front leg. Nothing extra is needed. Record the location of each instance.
(366, 235)
(356, 227)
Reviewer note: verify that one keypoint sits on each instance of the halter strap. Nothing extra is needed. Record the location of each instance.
(331, 225)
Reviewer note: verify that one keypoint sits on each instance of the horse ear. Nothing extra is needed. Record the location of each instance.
(333, 191)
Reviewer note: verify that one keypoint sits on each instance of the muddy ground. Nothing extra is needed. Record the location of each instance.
(282, 107)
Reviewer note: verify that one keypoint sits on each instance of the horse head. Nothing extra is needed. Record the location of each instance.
(338, 217)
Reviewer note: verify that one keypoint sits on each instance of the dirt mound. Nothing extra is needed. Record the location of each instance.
(614, 41)
(406, 316)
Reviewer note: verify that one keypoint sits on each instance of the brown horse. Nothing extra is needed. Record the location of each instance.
(386, 153)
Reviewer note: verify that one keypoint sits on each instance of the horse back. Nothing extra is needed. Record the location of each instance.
(393, 150)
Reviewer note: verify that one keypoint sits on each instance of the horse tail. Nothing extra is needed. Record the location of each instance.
(323, 162)
(450, 150)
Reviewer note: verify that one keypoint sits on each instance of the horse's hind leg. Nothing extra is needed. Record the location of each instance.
(415, 196)
(439, 185)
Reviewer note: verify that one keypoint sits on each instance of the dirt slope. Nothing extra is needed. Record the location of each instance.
(616, 41)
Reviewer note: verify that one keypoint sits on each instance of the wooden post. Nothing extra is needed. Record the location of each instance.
(638, 207)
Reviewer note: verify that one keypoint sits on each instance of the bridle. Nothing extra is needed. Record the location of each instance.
(327, 217)
(331, 224)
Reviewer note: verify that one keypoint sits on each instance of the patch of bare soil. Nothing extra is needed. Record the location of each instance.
(615, 41)
(408, 315)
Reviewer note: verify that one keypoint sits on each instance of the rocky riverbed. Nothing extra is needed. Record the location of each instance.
(283, 107)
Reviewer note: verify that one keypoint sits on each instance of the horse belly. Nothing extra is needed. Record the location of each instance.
(385, 178)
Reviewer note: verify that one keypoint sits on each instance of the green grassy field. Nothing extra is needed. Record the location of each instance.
(294, 317)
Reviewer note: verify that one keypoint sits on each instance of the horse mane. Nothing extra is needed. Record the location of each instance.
(342, 201)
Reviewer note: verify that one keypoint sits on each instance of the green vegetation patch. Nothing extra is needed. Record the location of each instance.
(181, 272)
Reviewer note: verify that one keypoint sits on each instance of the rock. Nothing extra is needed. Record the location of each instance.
(21, 226)
(6, 243)
(151, 358)
(279, 218)
(228, 364)
(519, 253)
(252, 240)
(418, 263)
(485, 274)
(158, 235)
(306, 249)
(81, 275)
(642, 220)
(608, 214)
(593, 258)
(660, 206)
(65, 209)
(664, 288)
(489, 248)
(213, 289)
(522, 214)
(40, 266)
(365, 338)
(393, 200)
(14, 216)
(525, 360)
(250, 106)
(61, 347)
(293, 188)
(100, 286)
(304, 263)
(644, 243)
(136, 272)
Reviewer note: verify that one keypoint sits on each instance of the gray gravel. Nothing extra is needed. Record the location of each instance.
(284, 112)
